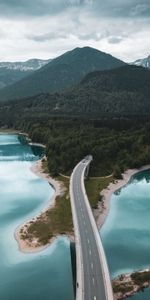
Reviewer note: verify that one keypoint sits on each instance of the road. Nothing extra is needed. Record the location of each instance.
(92, 277)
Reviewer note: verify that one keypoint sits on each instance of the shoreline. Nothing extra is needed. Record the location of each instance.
(26, 246)
(104, 208)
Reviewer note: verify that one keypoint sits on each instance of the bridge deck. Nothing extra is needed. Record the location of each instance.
(93, 281)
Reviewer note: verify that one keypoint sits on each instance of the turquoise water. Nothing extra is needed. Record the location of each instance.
(126, 232)
(142, 295)
(45, 275)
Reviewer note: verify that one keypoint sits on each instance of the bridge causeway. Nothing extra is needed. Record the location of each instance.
(93, 280)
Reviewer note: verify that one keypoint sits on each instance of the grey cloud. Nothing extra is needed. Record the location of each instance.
(141, 9)
(28, 7)
(110, 8)
(47, 36)
(102, 24)
(90, 36)
(115, 39)
(95, 36)
(38, 7)
(120, 8)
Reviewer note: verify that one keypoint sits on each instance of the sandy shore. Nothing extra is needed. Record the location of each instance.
(27, 246)
(102, 211)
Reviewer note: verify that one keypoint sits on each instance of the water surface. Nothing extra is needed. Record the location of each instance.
(45, 275)
(126, 232)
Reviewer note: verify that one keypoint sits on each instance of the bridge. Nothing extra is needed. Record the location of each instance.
(93, 280)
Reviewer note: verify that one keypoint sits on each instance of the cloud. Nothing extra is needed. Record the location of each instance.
(140, 10)
(47, 28)
(47, 36)
(107, 8)
(16, 8)
(115, 39)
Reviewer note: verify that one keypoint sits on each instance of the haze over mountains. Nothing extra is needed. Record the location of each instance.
(11, 72)
(63, 72)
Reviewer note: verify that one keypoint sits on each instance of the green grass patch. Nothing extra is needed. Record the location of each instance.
(8, 130)
(60, 216)
(93, 188)
(55, 221)
(123, 288)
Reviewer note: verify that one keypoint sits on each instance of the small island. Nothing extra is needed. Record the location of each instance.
(129, 284)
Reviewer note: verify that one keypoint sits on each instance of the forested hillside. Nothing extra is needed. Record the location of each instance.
(106, 115)
(10, 76)
(11, 72)
(123, 91)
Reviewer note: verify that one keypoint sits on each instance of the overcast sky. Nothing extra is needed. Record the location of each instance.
(47, 28)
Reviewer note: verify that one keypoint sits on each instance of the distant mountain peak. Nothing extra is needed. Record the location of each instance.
(29, 65)
(144, 62)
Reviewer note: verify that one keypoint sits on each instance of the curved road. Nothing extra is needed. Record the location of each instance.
(93, 282)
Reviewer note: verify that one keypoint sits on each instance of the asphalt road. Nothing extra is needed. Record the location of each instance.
(94, 288)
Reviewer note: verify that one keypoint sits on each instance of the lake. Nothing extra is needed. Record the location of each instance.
(45, 275)
(126, 232)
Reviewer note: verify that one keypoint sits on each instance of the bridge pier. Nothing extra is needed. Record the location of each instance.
(86, 172)
(73, 264)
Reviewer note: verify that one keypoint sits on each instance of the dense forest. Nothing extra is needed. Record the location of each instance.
(120, 92)
(115, 144)
(69, 142)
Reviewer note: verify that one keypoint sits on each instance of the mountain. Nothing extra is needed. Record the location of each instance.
(119, 92)
(145, 62)
(29, 65)
(11, 72)
(63, 72)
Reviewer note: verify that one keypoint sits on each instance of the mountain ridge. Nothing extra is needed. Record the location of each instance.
(11, 72)
(31, 64)
(61, 73)
(122, 91)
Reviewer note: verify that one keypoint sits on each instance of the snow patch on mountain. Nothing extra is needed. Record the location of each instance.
(29, 65)
(145, 62)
